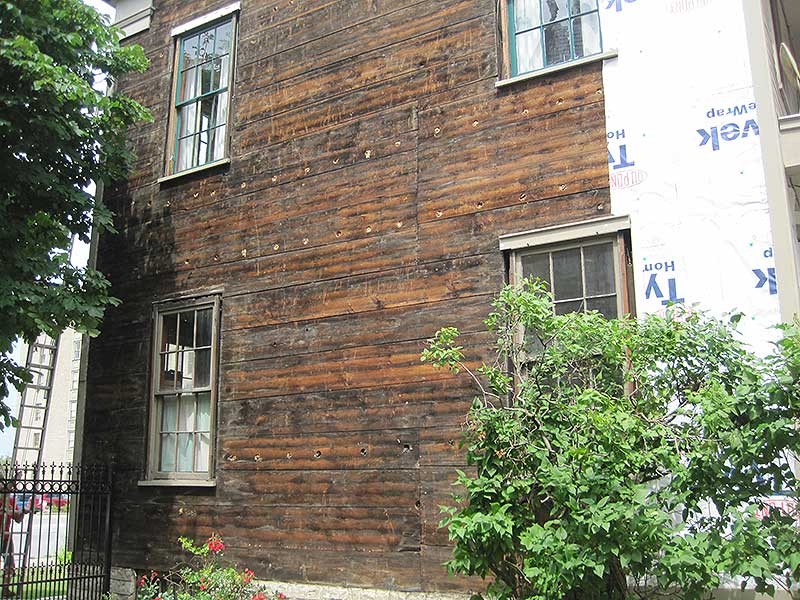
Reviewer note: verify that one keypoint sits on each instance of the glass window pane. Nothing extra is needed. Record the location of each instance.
(563, 308)
(203, 441)
(527, 14)
(169, 414)
(188, 84)
(607, 306)
(202, 368)
(582, 6)
(187, 116)
(204, 325)
(169, 332)
(220, 113)
(186, 413)
(586, 32)
(553, 10)
(598, 264)
(223, 41)
(167, 461)
(529, 51)
(567, 274)
(216, 143)
(204, 411)
(206, 45)
(187, 153)
(185, 452)
(207, 113)
(186, 330)
(169, 366)
(537, 265)
(185, 377)
(208, 75)
(189, 52)
(202, 147)
(556, 43)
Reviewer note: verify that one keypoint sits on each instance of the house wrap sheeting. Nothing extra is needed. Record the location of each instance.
(685, 159)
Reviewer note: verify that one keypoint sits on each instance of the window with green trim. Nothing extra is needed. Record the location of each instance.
(544, 33)
(204, 70)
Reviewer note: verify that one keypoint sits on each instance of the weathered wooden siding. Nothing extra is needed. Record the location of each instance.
(374, 166)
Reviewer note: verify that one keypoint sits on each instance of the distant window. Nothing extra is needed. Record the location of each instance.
(76, 349)
(75, 377)
(184, 390)
(544, 33)
(202, 95)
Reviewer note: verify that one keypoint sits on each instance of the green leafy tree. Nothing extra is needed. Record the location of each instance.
(616, 459)
(57, 135)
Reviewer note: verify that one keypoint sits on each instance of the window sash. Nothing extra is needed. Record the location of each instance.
(158, 396)
(202, 150)
(568, 19)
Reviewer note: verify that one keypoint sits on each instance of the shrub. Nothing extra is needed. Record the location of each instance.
(623, 458)
(203, 578)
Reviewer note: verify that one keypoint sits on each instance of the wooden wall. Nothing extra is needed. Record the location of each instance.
(374, 166)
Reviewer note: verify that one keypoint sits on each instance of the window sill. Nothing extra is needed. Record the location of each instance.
(187, 172)
(557, 68)
(204, 483)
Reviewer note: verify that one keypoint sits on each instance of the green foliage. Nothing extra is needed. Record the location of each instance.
(203, 578)
(57, 135)
(617, 459)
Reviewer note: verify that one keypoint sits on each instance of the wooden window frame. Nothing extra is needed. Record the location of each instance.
(508, 33)
(152, 475)
(179, 35)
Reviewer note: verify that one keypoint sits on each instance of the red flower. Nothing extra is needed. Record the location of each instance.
(259, 596)
(248, 575)
(281, 596)
(215, 544)
(142, 581)
(203, 585)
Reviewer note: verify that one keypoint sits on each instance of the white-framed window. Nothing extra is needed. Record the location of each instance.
(75, 379)
(184, 390)
(586, 266)
(202, 86)
(544, 33)
(76, 348)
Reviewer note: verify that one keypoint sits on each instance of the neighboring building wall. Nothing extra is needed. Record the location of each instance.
(59, 438)
(374, 167)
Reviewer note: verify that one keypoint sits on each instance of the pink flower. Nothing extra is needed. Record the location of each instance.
(142, 581)
(248, 575)
(215, 544)
(259, 596)
(281, 596)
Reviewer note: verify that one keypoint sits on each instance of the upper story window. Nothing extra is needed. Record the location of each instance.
(545, 33)
(204, 58)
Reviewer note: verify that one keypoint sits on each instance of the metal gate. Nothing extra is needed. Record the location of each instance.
(56, 537)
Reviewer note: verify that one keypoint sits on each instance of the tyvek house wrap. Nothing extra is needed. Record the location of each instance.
(685, 160)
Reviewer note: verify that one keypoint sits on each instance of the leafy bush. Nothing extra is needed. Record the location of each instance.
(623, 458)
(204, 578)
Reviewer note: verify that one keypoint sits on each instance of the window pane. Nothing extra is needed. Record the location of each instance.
(606, 306)
(207, 113)
(537, 265)
(529, 51)
(223, 41)
(186, 413)
(526, 14)
(187, 153)
(169, 332)
(598, 263)
(169, 414)
(189, 52)
(202, 368)
(556, 43)
(188, 119)
(206, 46)
(201, 458)
(209, 74)
(185, 378)
(220, 114)
(167, 461)
(582, 6)
(188, 84)
(203, 412)
(204, 324)
(185, 452)
(552, 10)
(586, 31)
(169, 365)
(567, 274)
(216, 143)
(186, 330)
(563, 308)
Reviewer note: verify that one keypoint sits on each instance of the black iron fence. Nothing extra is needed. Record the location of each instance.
(55, 531)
